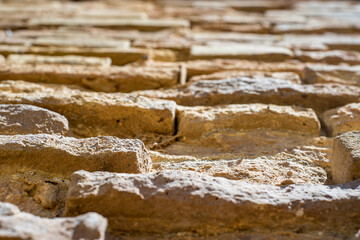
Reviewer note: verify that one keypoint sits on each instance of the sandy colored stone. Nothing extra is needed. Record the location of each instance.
(321, 42)
(231, 22)
(140, 24)
(343, 119)
(257, 28)
(85, 42)
(320, 97)
(65, 155)
(251, 235)
(281, 169)
(165, 39)
(111, 13)
(94, 114)
(28, 119)
(33, 191)
(212, 66)
(346, 75)
(20, 225)
(199, 67)
(241, 51)
(119, 56)
(249, 144)
(289, 76)
(192, 202)
(351, 43)
(317, 26)
(73, 41)
(69, 32)
(196, 121)
(206, 37)
(333, 57)
(222, 131)
(345, 162)
(113, 79)
(259, 157)
(250, 6)
(258, 5)
(71, 60)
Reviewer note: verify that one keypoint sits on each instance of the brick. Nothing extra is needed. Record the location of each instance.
(175, 201)
(28, 119)
(65, 155)
(243, 90)
(199, 67)
(112, 79)
(118, 56)
(196, 121)
(20, 225)
(333, 57)
(140, 24)
(289, 76)
(345, 162)
(241, 51)
(346, 75)
(93, 114)
(71, 60)
(343, 119)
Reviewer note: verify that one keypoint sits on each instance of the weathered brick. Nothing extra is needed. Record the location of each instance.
(71, 60)
(345, 162)
(329, 57)
(196, 121)
(320, 97)
(346, 75)
(28, 119)
(93, 114)
(172, 201)
(241, 51)
(343, 119)
(20, 225)
(112, 79)
(65, 155)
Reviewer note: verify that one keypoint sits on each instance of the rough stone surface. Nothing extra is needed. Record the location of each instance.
(289, 76)
(80, 42)
(28, 119)
(346, 75)
(33, 191)
(94, 114)
(317, 26)
(71, 60)
(196, 121)
(118, 56)
(140, 24)
(328, 42)
(243, 51)
(281, 169)
(72, 41)
(248, 95)
(345, 162)
(242, 90)
(19, 225)
(64, 155)
(199, 67)
(343, 119)
(230, 144)
(114, 79)
(191, 202)
(330, 57)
